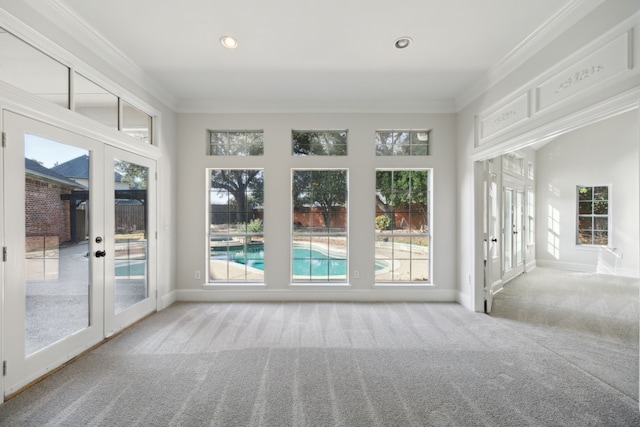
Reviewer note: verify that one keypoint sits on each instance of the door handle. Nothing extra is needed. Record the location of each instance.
(494, 240)
(100, 254)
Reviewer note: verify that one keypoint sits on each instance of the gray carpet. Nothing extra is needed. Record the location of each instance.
(326, 364)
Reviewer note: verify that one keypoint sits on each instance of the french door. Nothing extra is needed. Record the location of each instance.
(492, 220)
(80, 260)
(512, 229)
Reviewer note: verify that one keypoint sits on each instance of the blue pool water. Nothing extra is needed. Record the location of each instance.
(306, 262)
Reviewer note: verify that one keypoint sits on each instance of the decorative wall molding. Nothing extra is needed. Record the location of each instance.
(503, 117)
(611, 60)
(571, 13)
(603, 62)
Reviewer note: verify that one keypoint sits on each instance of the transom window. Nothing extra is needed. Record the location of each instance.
(236, 143)
(402, 142)
(593, 215)
(236, 213)
(319, 244)
(402, 226)
(319, 143)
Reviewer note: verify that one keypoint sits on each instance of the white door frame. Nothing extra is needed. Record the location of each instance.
(22, 370)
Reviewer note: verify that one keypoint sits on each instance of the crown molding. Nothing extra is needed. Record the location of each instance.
(333, 106)
(566, 17)
(63, 17)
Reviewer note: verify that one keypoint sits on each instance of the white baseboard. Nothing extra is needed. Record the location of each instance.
(530, 266)
(589, 268)
(167, 299)
(374, 295)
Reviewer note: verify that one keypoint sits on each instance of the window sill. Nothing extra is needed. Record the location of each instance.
(319, 285)
(226, 285)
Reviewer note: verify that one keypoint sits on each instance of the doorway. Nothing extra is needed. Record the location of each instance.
(79, 268)
(512, 229)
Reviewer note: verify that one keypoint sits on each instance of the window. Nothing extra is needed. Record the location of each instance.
(31, 70)
(402, 226)
(402, 142)
(593, 215)
(136, 123)
(236, 143)
(95, 102)
(513, 164)
(319, 244)
(236, 240)
(319, 143)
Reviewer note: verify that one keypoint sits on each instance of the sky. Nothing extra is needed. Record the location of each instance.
(49, 152)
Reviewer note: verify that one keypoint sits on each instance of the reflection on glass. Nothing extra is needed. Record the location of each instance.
(95, 102)
(56, 265)
(27, 68)
(508, 229)
(131, 265)
(136, 123)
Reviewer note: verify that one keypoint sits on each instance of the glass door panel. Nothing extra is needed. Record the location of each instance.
(508, 229)
(53, 282)
(57, 280)
(131, 233)
(130, 239)
(519, 227)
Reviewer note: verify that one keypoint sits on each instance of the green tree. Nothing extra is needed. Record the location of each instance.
(246, 187)
(327, 143)
(322, 189)
(132, 174)
(402, 188)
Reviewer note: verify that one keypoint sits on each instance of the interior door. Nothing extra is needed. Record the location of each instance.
(53, 283)
(493, 270)
(130, 290)
(512, 230)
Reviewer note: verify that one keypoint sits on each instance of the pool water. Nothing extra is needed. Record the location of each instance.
(306, 262)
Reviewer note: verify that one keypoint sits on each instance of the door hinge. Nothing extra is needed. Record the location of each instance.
(156, 176)
(156, 234)
(4, 254)
(4, 139)
(4, 368)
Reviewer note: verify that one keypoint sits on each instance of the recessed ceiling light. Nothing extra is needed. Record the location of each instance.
(402, 42)
(229, 42)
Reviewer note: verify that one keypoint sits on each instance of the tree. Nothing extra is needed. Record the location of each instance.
(246, 187)
(132, 174)
(327, 143)
(402, 188)
(322, 189)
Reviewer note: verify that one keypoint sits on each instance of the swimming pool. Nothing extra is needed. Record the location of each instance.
(307, 261)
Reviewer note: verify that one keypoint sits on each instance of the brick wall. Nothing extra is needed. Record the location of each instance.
(46, 215)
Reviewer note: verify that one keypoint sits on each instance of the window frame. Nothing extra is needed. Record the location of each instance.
(399, 153)
(317, 133)
(428, 234)
(300, 280)
(247, 149)
(229, 236)
(593, 217)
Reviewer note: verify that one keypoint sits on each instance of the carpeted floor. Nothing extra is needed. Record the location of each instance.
(340, 364)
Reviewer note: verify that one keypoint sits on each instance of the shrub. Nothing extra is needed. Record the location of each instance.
(383, 222)
(254, 226)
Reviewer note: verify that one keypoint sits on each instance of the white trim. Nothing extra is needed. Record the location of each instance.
(23, 103)
(426, 106)
(541, 37)
(166, 300)
(61, 55)
(610, 107)
(315, 294)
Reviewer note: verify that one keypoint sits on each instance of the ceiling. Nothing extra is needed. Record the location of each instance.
(318, 55)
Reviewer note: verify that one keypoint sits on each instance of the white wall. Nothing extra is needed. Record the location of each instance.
(604, 153)
(277, 163)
